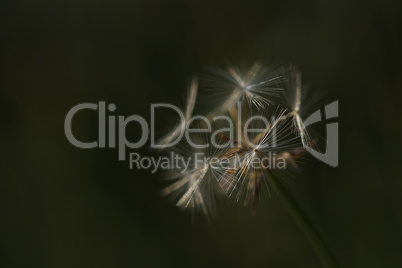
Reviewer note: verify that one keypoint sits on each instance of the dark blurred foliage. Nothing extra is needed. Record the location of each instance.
(66, 207)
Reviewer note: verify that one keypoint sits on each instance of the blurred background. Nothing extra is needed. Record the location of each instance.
(61, 206)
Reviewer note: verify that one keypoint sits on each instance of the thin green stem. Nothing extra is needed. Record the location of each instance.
(308, 229)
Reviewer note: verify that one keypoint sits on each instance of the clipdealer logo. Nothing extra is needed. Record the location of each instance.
(107, 134)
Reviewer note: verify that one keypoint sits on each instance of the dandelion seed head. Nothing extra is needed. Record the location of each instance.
(204, 185)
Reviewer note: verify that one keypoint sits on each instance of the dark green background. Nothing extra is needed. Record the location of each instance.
(61, 206)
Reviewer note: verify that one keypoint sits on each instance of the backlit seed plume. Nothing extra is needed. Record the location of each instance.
(294, 99)
(251, 159)
(199, 185)
(256, 86)
(188, 112)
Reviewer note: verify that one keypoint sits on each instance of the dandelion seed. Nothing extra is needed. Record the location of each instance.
(294, 100)
(253, 159)
(188, 112)
(256, 86)
(201, 184)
